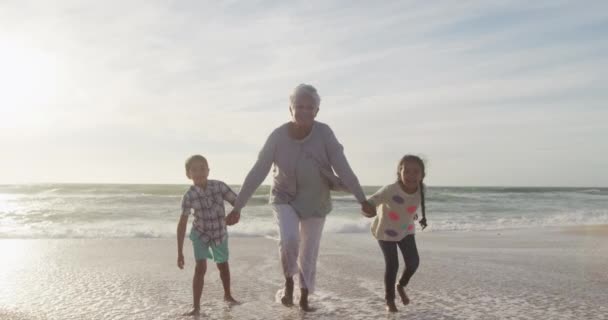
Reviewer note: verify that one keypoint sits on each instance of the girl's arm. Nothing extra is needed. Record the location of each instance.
(378, 198)
(374, 201)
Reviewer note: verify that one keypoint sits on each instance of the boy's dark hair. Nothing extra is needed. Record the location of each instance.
(417, 159)
(192, 159)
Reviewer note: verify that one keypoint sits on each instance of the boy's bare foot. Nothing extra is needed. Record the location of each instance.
(404, 298)
(287, 299)
(390, 306)
(194, 312)
(230, 300)
(304, 301)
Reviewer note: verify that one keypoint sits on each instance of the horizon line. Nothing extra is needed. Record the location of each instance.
(268, 185)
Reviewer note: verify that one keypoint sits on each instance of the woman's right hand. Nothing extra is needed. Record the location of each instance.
(368, 210)
(233, 217)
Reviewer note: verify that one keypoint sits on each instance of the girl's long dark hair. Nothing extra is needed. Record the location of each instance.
(417, 159)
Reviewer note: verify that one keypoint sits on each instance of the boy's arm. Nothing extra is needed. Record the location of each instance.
(181, 233)
(181, 229)
(228, 195)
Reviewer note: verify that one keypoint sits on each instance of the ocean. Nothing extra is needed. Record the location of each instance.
(101, 211)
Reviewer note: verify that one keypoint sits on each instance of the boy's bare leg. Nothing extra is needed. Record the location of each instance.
(224, 269)
(287, 299)
(198, 281)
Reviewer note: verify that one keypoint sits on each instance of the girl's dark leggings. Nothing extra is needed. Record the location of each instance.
(407, 246)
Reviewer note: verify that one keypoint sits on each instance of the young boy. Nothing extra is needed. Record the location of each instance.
(208, 234)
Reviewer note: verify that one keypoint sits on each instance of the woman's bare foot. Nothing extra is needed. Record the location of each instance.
(304, 301)
(404, 297)
(194, 312)
(287, 299)
(390, 306)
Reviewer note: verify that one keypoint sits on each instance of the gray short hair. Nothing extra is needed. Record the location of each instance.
(308, 90)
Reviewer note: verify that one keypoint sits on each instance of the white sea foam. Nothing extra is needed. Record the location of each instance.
(149, 211)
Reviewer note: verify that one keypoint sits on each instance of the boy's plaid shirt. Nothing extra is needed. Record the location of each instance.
(209, 212)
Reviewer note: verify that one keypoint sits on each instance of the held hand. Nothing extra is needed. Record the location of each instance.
(180, 261)
(368, 210)
(233, 217)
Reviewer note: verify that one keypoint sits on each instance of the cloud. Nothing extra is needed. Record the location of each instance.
(446, 79)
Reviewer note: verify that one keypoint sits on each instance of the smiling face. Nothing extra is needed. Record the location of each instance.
(198, 171)
(303, 110)
(411, 174)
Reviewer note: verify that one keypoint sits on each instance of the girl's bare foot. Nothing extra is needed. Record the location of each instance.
(230, 300)
(404, 297)
(194, 312)
(287, 299)
(304, 301)
(390, 306)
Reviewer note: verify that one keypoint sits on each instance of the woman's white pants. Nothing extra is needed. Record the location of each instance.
(299, 238)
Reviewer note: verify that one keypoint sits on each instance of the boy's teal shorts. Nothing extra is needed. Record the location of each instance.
(203, 251)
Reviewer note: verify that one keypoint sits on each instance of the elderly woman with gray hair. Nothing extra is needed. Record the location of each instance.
(303, 152)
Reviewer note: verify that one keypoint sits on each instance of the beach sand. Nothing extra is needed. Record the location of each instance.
(525, 274)
(594, 230)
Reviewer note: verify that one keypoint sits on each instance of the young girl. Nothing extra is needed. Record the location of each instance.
(399, 204)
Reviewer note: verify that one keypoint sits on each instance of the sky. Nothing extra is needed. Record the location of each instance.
(489, 93)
